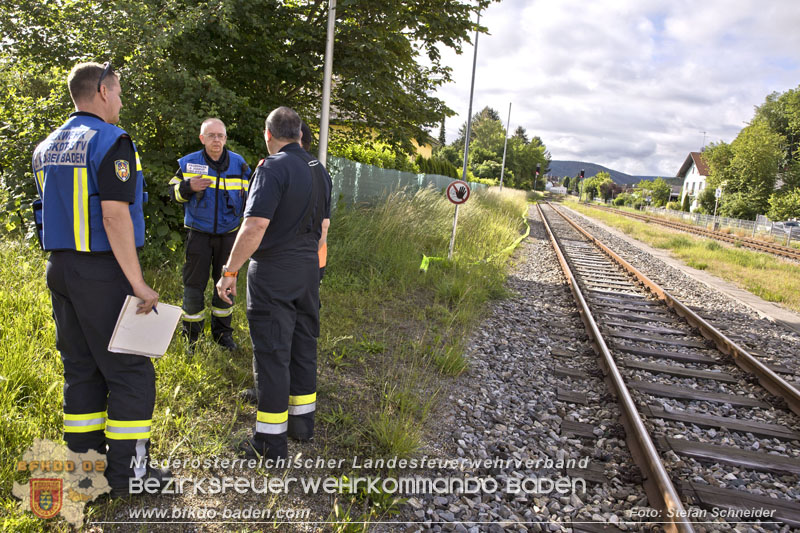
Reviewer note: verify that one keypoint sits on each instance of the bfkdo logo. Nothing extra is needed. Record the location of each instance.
(46, 496)
(62, 482)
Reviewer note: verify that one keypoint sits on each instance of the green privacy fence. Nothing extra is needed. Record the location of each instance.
(358, 182)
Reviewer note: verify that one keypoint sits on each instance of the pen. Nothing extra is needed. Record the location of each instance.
(155, 310)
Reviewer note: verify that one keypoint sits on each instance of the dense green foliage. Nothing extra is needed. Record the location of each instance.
(486, 152)
(183, 60)
(759, 171)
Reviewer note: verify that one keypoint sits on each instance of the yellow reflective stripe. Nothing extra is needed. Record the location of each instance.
(84, 429)
(174, 180)
(128, 429)
(129, 423)
(138, 162)
(127, 436)
(87, 416)
(246, 185)
(178, 196)
(302, 400)
(272, 418)
(80, 208)
(194, 318)
(40, 179)
(217, 311)
(229, 184)
(194, 175)
(84, 423)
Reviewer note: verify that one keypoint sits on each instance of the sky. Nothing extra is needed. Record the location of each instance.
(628, 84)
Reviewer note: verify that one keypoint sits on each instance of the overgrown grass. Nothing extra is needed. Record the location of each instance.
(390, 336)
(764, 275)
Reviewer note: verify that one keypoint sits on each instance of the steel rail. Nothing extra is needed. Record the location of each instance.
(746, 361)
(658, 486)
(755, 244)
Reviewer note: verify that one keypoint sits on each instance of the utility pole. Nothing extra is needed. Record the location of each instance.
(469, 130)
(325, 113)
(505, 145)
(704, 140)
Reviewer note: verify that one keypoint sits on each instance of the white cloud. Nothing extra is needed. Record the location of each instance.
(630, 84)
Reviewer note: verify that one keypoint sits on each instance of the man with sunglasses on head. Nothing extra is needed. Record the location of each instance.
(212, 185)
(89, 217)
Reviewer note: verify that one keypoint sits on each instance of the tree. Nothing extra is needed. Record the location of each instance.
(687, 203)
(660, 191)
(783, 206)
(182, 61)
(565, 182)
(442, 137)
(520, 134)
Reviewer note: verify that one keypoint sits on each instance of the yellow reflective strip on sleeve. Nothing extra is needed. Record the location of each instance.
(193, 175)
(174, 180)
(273, 418)
(88, 416)
(138, 162)
(128, 423)
(84, 429)
(40, 179)
(80, 209)
(178, 197)
(302, 400)
(127, 436)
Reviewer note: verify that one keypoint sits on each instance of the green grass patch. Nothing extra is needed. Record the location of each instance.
(390, 337)
(765, 275)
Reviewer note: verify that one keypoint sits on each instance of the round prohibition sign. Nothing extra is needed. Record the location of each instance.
(458, 192)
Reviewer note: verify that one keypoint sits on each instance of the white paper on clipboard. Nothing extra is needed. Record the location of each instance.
(144, 334)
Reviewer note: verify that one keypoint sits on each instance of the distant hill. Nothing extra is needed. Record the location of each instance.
(573, 168)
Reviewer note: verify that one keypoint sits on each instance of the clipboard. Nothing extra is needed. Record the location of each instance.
(149, 334)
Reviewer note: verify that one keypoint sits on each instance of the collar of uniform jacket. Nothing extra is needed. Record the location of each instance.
(221, 164)
(85, 114)
(291, 147)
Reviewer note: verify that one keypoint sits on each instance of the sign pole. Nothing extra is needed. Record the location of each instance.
(453, 235)
(457, 192)
(505, 145)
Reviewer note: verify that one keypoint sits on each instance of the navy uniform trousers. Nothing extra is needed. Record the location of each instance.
(283, 313)
(108, 397)
(205, 252)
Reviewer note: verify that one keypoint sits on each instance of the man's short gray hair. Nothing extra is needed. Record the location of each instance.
(283, 123)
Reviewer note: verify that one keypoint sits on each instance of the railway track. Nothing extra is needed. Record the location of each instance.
(746, 242)
(712, 429)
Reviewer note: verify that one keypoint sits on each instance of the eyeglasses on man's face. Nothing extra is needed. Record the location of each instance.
(107, 68)
(215, 136)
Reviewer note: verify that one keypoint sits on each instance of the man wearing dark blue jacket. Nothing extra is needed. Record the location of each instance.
(212, 185)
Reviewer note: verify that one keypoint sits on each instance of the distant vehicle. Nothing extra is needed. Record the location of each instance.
(787, 226)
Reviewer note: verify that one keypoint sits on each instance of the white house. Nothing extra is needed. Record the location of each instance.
(694, 173)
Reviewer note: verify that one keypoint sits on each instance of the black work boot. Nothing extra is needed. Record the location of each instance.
(227, 342)
(162, 476)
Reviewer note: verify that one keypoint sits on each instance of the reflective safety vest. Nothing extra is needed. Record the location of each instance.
(219, 208)
(65, 166)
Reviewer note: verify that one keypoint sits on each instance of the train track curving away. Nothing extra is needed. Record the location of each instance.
(746, 242)
(684, 388)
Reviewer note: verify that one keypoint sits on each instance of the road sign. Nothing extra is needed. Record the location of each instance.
(718, 192)
(458, 192)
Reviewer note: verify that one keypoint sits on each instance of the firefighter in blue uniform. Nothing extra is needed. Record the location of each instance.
(290, 196)
(89, 216)
(212, 186)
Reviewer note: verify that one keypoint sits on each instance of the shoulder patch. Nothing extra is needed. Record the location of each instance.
(122, 169)
(261, 162)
